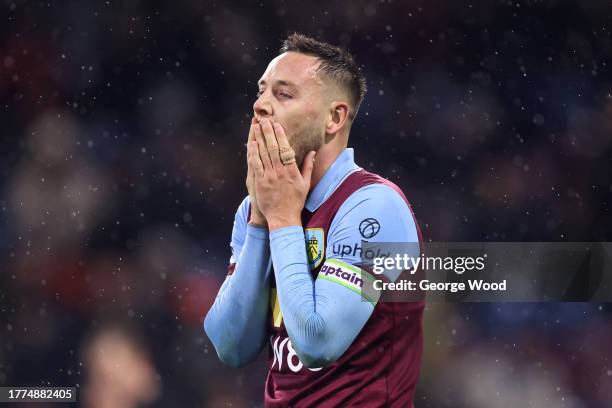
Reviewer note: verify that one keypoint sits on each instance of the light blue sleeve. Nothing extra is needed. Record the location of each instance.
(324, 315)
(236, 323)
(239, 229)
(356, 223)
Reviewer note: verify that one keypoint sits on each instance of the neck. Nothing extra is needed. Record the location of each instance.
(323, 160)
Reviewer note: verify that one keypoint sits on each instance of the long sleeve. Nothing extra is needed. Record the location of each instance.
(236, 322)
(324, 315)
(321, 317)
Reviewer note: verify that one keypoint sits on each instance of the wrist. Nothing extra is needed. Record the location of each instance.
(258, 222)
(282, 222)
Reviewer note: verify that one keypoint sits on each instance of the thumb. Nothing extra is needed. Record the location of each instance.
(307, 166)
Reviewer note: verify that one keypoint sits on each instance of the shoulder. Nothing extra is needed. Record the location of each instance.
(375, 212)
(383, 199)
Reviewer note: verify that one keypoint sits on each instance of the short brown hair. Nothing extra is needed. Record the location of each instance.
(336, 63)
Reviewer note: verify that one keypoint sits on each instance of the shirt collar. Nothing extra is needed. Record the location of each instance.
(340, 168)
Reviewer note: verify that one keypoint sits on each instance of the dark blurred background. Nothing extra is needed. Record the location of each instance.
(123, 161)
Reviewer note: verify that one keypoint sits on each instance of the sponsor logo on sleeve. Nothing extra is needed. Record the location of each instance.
(369, 227)
(356, 251)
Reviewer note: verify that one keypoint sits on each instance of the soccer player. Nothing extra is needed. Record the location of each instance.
(295, 274)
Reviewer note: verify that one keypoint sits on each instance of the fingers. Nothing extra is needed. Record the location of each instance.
(261, 150)
(307, 167)
(254, 160)
(273, 149)
(287, 154)
(271, 143)
(254, 124)
(250, 139)
(281, 136)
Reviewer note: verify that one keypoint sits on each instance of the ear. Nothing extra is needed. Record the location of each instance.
(338, 117)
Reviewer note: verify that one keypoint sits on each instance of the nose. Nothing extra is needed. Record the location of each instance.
(262, 106)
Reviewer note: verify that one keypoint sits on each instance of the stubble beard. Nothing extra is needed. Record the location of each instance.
(309, 139)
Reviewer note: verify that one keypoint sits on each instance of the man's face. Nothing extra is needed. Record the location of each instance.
(291, 93)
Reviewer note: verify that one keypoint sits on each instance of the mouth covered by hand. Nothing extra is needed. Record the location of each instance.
(280, 187)
(287, 153)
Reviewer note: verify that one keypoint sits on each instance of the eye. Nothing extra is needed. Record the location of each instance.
(258, 94)
(284, 94)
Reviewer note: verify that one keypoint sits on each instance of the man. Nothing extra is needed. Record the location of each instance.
(294, 280)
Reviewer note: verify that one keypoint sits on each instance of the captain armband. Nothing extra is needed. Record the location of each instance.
(351, 277)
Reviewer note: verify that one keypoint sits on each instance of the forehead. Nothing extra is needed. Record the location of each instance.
(294, 67)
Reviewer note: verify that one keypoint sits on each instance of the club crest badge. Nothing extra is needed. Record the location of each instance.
(315, 246)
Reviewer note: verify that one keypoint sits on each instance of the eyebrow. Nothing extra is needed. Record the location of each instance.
(278, 82)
